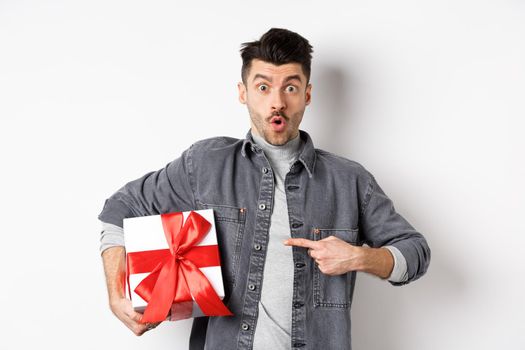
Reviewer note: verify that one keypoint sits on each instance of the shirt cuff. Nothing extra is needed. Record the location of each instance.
(111, 236)
(399, 272)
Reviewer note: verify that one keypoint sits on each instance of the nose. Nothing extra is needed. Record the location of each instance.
(278, 101)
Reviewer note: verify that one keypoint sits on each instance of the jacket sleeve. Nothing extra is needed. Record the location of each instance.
(162, 191)
(381, 225)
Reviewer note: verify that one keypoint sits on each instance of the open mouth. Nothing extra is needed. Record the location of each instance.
(277, 120)
(278, 123)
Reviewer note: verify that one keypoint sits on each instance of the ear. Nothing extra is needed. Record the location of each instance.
(242, 92)
(308, 94)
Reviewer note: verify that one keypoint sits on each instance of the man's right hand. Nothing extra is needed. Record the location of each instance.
(123, 309)
(114, 259)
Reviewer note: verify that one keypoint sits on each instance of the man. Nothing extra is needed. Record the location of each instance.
(291, 219)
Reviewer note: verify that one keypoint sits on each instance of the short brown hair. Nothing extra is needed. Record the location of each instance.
(277, 46)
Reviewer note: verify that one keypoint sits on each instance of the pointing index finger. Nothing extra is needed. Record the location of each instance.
(301, 242)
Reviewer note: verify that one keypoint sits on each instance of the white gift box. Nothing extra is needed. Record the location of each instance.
(147, 233)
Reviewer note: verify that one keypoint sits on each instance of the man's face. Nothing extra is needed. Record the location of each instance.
(276, 97)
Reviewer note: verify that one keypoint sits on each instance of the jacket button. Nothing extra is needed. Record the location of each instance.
(265, 170)
(299, 265)
(297, 224)
(292, 187)
(251, 286)
(297, 305)
(257, 246)
(298, 345)
(262, 206)
(245, 327)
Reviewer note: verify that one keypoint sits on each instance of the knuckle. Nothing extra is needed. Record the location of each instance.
(138, 330)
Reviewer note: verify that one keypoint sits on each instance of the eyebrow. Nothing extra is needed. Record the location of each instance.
(291, 77)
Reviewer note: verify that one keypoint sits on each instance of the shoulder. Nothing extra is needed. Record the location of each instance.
(339, 164)
(216, 142)
(345, 172)
(218, 147)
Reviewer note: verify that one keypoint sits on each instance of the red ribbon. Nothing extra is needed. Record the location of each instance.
(175, 275)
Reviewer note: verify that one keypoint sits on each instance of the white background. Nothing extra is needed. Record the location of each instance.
(429, 96)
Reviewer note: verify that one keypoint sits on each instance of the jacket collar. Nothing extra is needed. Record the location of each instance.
(306, 157)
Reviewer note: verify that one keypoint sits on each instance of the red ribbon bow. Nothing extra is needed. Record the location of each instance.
(175, 275)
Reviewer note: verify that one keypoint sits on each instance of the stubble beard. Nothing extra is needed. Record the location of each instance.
(263, 130)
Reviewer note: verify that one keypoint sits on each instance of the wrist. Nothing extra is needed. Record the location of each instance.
(377, 261)
(116, 293)
(115, 302)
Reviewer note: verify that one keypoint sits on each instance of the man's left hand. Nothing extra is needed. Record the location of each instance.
(333, 255)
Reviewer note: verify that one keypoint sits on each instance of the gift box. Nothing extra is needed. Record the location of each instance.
(173, 266)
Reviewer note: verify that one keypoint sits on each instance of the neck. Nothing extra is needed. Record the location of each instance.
(288, 151)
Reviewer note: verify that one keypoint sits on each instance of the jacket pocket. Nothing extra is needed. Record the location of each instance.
(334, 291)
(229, 225)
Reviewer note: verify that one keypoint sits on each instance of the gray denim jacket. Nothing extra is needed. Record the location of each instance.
(326, 195)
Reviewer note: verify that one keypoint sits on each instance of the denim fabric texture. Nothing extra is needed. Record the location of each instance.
(326, 194)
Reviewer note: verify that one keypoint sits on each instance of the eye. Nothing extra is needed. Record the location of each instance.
(291, 88)
(262, 87)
